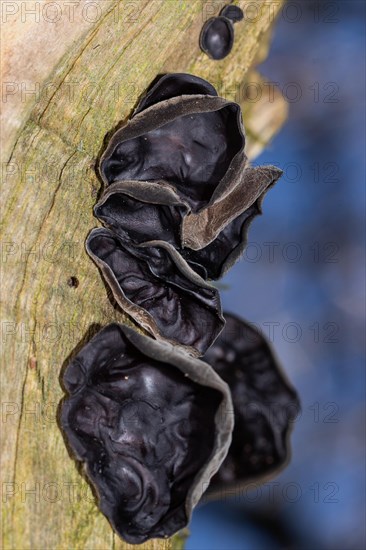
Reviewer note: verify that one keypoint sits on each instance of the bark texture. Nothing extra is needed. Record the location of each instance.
(89, 76)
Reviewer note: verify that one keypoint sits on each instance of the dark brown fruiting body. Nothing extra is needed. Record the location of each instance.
(173, 85)
(150, 422)
(232, 12)
(265, 405)
(151, 426)
(167, 143)
(153, 283)
(217, 37)
(200, 222)
(217, 34)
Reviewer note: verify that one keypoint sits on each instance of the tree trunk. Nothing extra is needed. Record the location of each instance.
(87, 77)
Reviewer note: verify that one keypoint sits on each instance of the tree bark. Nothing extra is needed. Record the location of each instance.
(90, 76)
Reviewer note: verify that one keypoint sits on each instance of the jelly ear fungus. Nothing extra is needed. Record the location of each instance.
(151, 425)
(163, 167)
(199, 230)
(168, 142)
(157, 288)
(139, 211)
(173, 85)
(265, 405)
(225, 249)
(210, 241)
(217, 35)
(150, 422)
(232, 12)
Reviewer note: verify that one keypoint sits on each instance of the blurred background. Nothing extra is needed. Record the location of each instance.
(302, 281)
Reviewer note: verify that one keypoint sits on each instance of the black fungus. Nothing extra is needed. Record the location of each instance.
(215, 259)
(150, 422)
(217, 37)
(161, 216)
(232, 12)
(151, 426)
(219, 224)
(193, 144)
(265, 405)
(173, 85)
(140, 212)
(154, 285)
(180, 207)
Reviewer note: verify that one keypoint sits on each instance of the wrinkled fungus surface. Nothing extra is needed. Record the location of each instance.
(148, 423)
(265, 405)
(202, 206)
(138, 221)
(153, 284)
(157, 217)
(188, 144)
(224, 227)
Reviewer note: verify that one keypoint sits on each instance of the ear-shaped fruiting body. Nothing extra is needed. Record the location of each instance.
(211, 241)
(150, 423)
(174, 85)
(265, 405)
(194, 143)
(139, 212)
(177, 172)
(155, 285)
(199, 230)
(215, 259)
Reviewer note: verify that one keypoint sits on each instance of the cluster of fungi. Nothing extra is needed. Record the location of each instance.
(198, 404)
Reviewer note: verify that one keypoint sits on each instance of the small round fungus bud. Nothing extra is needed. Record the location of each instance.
(217, 37)
(234, 13)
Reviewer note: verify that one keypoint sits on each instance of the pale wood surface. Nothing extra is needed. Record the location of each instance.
(97, 72)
